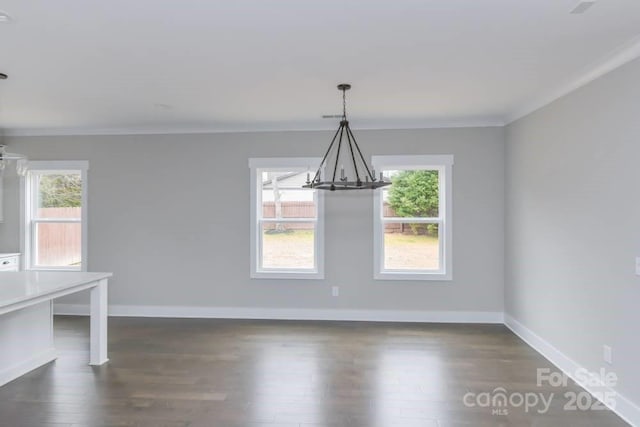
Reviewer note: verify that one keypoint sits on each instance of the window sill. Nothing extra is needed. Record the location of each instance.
(287, 275)
(413, 276)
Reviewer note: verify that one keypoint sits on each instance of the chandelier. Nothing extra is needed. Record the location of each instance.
(21, 161)
(363, 176)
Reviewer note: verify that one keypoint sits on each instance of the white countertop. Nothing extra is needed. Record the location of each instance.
(20, 286)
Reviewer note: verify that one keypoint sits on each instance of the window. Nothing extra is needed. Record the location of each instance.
(412, 218)
(287, 225)
(55, 213)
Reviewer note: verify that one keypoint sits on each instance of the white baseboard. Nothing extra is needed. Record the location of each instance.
(625, 408)
(288, 313)
(19, 369)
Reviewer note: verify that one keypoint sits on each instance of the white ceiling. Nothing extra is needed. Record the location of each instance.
(91, 66)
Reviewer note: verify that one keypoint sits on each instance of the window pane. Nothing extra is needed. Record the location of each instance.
(413, 193)
(59, 196)
(58, 244)
(288, 245)
(284, 197)
(411, 247)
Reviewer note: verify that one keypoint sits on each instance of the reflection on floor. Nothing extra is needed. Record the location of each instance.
(219, 373)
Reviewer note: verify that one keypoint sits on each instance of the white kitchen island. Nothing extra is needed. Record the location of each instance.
(26, 317)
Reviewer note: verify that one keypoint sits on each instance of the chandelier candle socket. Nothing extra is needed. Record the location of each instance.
(365, 177)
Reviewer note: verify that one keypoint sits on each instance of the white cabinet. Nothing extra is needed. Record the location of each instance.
(9, 262)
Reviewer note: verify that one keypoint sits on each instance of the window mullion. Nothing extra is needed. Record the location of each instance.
(58, 220)
(407, 220)
(280, 220)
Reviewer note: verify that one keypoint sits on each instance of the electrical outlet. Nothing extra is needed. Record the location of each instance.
(637, 266)
(607, 354)
(335, 291)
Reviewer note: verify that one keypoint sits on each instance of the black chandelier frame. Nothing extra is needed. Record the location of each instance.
(365, 177)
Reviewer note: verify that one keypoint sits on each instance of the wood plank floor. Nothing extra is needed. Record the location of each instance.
(228, 373)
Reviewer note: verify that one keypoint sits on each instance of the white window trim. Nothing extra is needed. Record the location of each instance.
(274, 163)
(442, 163)
(26, 200)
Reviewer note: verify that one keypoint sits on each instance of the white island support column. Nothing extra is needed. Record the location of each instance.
(98, 347)
(26, 317)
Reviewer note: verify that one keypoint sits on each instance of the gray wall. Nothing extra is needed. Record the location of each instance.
(169, 216)
(573, 224)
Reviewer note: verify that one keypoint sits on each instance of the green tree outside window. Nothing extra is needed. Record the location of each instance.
(61, 191)
(415, 193)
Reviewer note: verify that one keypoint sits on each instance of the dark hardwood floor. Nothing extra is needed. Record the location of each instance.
(228, 373)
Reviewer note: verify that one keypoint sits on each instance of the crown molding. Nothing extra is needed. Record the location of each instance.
(279, 127)
(622, 55)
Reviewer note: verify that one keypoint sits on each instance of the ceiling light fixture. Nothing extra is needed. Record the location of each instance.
(5, 157)
(21, 161)
(365, 177)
